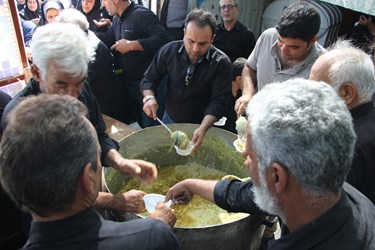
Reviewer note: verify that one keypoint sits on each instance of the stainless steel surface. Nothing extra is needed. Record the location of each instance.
(217, 151)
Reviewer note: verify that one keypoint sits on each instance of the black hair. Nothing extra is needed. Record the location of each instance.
(237, 66)
(299, 21)
(201, 18)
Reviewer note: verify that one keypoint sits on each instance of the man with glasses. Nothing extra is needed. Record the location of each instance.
(232, 37)
(284, 52)
(199, 77)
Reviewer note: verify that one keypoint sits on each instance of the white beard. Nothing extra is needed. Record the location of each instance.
(264, 199)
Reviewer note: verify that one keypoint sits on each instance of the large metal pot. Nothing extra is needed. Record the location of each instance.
(217, 152)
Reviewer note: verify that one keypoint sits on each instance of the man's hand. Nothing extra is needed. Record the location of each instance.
(241, 104)
(131, 201)
(103, 22)
(150, 107)
(200, 132)
(124, 46)
(179, 193)
(164, 213)
(144, 171)
(249, 81)
(184, 191)
(198, 136)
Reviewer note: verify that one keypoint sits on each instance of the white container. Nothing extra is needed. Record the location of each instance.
(152, 200)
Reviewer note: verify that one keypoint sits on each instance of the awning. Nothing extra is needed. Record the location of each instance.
(364, 6)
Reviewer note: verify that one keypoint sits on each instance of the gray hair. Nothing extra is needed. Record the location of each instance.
(40, 165)
(65, 46)
(73, 16)
(304, 126)
(350, 64)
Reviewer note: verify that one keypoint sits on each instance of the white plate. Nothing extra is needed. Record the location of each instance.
(152, 200)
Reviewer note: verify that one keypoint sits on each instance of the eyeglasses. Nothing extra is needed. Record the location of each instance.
(228, 6)
(189, 73)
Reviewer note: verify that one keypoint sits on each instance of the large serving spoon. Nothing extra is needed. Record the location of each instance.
(181, 141)
(165, 126)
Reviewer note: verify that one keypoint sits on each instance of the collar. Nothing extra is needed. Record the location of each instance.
(362, 110)
(313, 54)
(184, 54)
(221, 26)
(127, 10)
(54, 231)
(317, 231)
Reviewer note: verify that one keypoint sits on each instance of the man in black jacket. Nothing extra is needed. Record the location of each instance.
(199, 77)
(134, 37)
(52, 169)
(350, 72)
(61, 53)
(232, 37)
(300, 143)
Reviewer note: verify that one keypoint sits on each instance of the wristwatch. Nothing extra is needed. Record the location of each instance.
(147, 98)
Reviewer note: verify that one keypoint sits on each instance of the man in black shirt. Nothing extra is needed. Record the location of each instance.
(55, 47)
(54, 50)
(232, 37)
(300, 143)
(199, 77)
(134, 37)
(50, 166)
(351, 73)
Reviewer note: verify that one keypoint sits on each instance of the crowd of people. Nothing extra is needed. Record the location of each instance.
(310, 142)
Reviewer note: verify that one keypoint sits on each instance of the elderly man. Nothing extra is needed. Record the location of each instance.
(350, 72)
(104, 83)
(61, 53)
(300, 143)
(199, 77)
(284, 52)
(232, 37)
(52, 169)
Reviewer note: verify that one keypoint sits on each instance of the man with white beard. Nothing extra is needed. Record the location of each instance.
(300, 143)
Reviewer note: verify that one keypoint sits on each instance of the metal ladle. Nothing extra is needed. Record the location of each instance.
(182, 152)
(165, 126)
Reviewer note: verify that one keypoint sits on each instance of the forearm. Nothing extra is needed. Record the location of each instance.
(108, 201)
(112, 159)
(203, 188)
(208, 121)
(248, 81)
(135, 46)
(148, 92)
